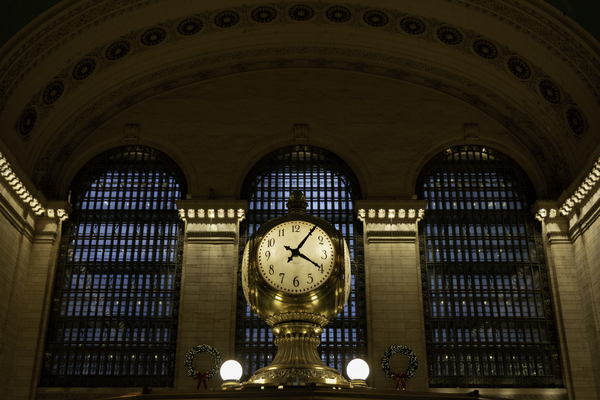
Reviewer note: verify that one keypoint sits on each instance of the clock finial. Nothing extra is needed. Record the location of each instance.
(297, 203)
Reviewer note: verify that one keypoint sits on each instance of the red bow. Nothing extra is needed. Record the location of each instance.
(202, 378)
(400, 379)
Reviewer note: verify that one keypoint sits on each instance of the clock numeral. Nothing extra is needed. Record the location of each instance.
(295, 228)
(270, 242)
(321, 269)
(324, 255)
(296, 282)
(268, 254)
(282, 275)
(311, 279)
(320, 240)
(271, 269)
(281, 232)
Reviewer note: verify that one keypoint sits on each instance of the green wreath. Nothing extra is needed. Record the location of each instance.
(203, 348)
(412, 357)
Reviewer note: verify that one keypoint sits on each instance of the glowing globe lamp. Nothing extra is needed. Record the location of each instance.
(358, 372)
(231, 372)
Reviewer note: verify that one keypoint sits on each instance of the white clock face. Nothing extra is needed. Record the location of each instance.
(296, 257)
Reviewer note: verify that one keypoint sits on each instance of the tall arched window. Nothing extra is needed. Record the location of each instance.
(488, 309)
(330, 188)
(115, 302)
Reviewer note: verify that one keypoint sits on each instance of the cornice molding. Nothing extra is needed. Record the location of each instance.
(212, 211)
(391, 236)
(391, 211)
(211, 237)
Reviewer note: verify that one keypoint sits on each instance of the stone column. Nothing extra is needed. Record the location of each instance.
(393, 286)
(568, 279)
(35, 301)
(209, 283)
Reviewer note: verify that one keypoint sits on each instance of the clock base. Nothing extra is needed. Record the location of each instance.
(297, 362)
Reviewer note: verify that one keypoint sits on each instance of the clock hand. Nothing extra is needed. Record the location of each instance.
(309, 233)
(308, 259)
(294, 251)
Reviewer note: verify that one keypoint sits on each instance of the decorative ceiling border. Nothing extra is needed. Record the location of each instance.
(514, 120)
(214, 21)
(25, 196)
(587, 186)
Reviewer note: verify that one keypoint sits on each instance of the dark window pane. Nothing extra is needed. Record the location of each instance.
(115, 302)
(489, 320)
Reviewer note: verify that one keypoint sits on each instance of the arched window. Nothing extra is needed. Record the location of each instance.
(488, 309)
(115, 302)
(330, 189)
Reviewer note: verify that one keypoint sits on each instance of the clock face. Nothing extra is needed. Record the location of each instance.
(296, 257)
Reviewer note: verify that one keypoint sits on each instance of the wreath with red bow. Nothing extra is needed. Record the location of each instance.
(412, 369)
(189, 367)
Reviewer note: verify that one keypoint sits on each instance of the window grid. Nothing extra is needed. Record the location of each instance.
(488, 311)
(115, 304)
(330, 191)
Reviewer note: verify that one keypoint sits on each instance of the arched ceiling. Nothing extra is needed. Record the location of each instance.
(367, 78)
(16, 14)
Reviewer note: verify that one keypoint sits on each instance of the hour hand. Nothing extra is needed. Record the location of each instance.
(295, 252)
(309, 260)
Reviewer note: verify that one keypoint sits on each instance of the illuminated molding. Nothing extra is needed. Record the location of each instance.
(214, 210)
(384, 211)
(212, 213)
(581, 193)
(21, 191)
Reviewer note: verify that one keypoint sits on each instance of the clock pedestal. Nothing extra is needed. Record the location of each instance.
(296, 276)
(297, 361)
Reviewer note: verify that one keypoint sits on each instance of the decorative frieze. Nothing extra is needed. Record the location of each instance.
(18, 187)
(222, 210)
(396, 211)
(26, 197)
(391, 221)
(551, 209)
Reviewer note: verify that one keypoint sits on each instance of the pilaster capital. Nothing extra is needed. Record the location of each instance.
(212, 211)
(391, 211)
(546, 209)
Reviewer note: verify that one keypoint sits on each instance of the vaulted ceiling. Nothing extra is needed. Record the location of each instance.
(387, 84)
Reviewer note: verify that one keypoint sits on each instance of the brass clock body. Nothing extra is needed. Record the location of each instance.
(296, 277)
(296, 264)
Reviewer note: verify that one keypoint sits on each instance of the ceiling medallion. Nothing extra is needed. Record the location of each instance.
(27, 121)
(519, 68)
(153, 36)
(83, 69)
(301, 12)
(449, 35)
(376, 18)
(117, 50)
(412, 25)
(575, 120)
(264, 14)
(338, 14)
(226, 19)
(549, 91)
(485, 49)
(189, 26)
(53, 92)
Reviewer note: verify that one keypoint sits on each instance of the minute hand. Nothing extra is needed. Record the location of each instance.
(304, 240)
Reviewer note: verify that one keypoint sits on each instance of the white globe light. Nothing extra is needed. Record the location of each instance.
(231, 370)
(357, 369)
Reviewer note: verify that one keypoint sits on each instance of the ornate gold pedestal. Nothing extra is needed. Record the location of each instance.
(297, 362)
(289, 245)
